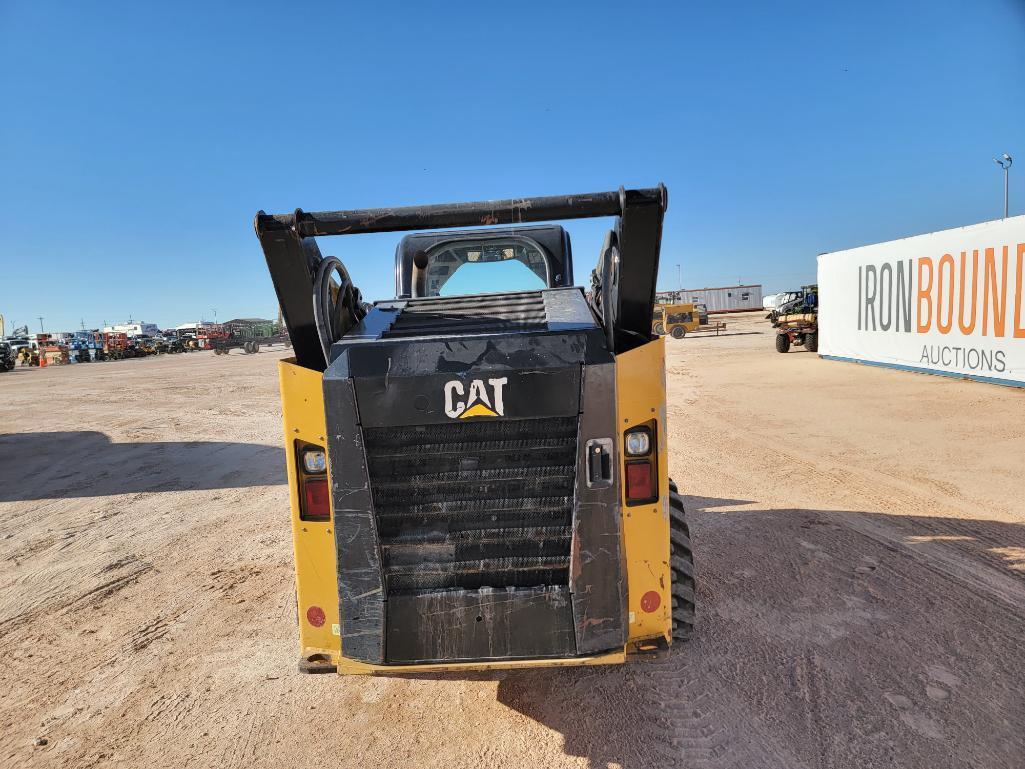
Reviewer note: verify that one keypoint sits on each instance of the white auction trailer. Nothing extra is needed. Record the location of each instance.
(725, 298)
(948, 302)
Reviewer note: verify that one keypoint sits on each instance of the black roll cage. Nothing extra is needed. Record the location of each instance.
(289, 245)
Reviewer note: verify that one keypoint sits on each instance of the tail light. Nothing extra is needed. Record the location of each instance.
(314, 491)
(641, 476)
(316, 500)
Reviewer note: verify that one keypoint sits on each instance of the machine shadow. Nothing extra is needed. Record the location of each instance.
(608, 715)
(56, 465)
(675, 712)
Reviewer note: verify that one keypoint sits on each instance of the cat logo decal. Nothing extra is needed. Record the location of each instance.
(479, 400)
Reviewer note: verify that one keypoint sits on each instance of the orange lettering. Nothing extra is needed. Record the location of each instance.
(989, 288)
(944, 328)
(924, 294)
(969, 327)
(1019, 332)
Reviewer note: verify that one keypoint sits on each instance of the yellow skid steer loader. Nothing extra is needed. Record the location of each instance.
(479, 475)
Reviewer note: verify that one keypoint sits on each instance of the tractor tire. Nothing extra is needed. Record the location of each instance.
(811, 341)
(678, 332)
(681, 566)
(782, 343)
(247, 348)
(256, 347)
(659, 329)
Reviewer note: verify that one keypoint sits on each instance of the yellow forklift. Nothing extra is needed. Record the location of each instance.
(479, 475)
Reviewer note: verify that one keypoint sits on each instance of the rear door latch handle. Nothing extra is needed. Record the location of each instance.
(599, 462)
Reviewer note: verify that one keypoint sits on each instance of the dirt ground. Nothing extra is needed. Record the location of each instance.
(860, 539)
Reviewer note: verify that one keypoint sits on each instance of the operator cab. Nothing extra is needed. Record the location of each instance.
(483, 261)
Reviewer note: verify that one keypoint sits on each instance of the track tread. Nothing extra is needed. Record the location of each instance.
(681, 564)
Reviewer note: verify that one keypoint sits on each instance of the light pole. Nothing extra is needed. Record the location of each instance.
(40, 323)
(1005, 163)
(679, 283)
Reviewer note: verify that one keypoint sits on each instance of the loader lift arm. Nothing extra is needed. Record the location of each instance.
(293, 257)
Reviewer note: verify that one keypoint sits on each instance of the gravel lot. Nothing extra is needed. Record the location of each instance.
(860, 539)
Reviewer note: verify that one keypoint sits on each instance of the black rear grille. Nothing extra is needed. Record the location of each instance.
(482, 314)
(474, 504)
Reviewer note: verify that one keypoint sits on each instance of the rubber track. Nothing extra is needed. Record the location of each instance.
(681, 562)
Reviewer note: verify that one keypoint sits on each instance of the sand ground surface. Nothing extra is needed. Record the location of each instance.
(860, 549)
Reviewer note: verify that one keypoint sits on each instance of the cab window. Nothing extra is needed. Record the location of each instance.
(482, 266)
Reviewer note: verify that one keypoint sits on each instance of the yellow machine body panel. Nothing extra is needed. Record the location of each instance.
(348, 666)
(641, 394)
(316, 580)
(640, 386)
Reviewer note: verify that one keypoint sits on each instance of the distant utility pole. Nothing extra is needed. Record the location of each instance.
(40, 323)
(679, 279)
(1005, 163)
(215, 313)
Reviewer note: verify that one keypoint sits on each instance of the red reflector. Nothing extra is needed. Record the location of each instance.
(317, 505)
(315, 616)
(638, 481)
(650, 601)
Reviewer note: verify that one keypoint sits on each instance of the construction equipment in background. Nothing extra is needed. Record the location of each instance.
(144, 345)
(246, 334)
(224, 346)
(188, 341)
(96, 346)
(115, 345)
(790, 302)
(797, 321)
(7, 360)
(54, 355)
(80, 345)
(251, 328)
(18, 342)
(678, 320)
(480, 480)
(28, 356)
(132, 350)
(167, 344)
(280, 337)
(207, 335)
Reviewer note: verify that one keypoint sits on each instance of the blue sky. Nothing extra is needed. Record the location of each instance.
(138, 139)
